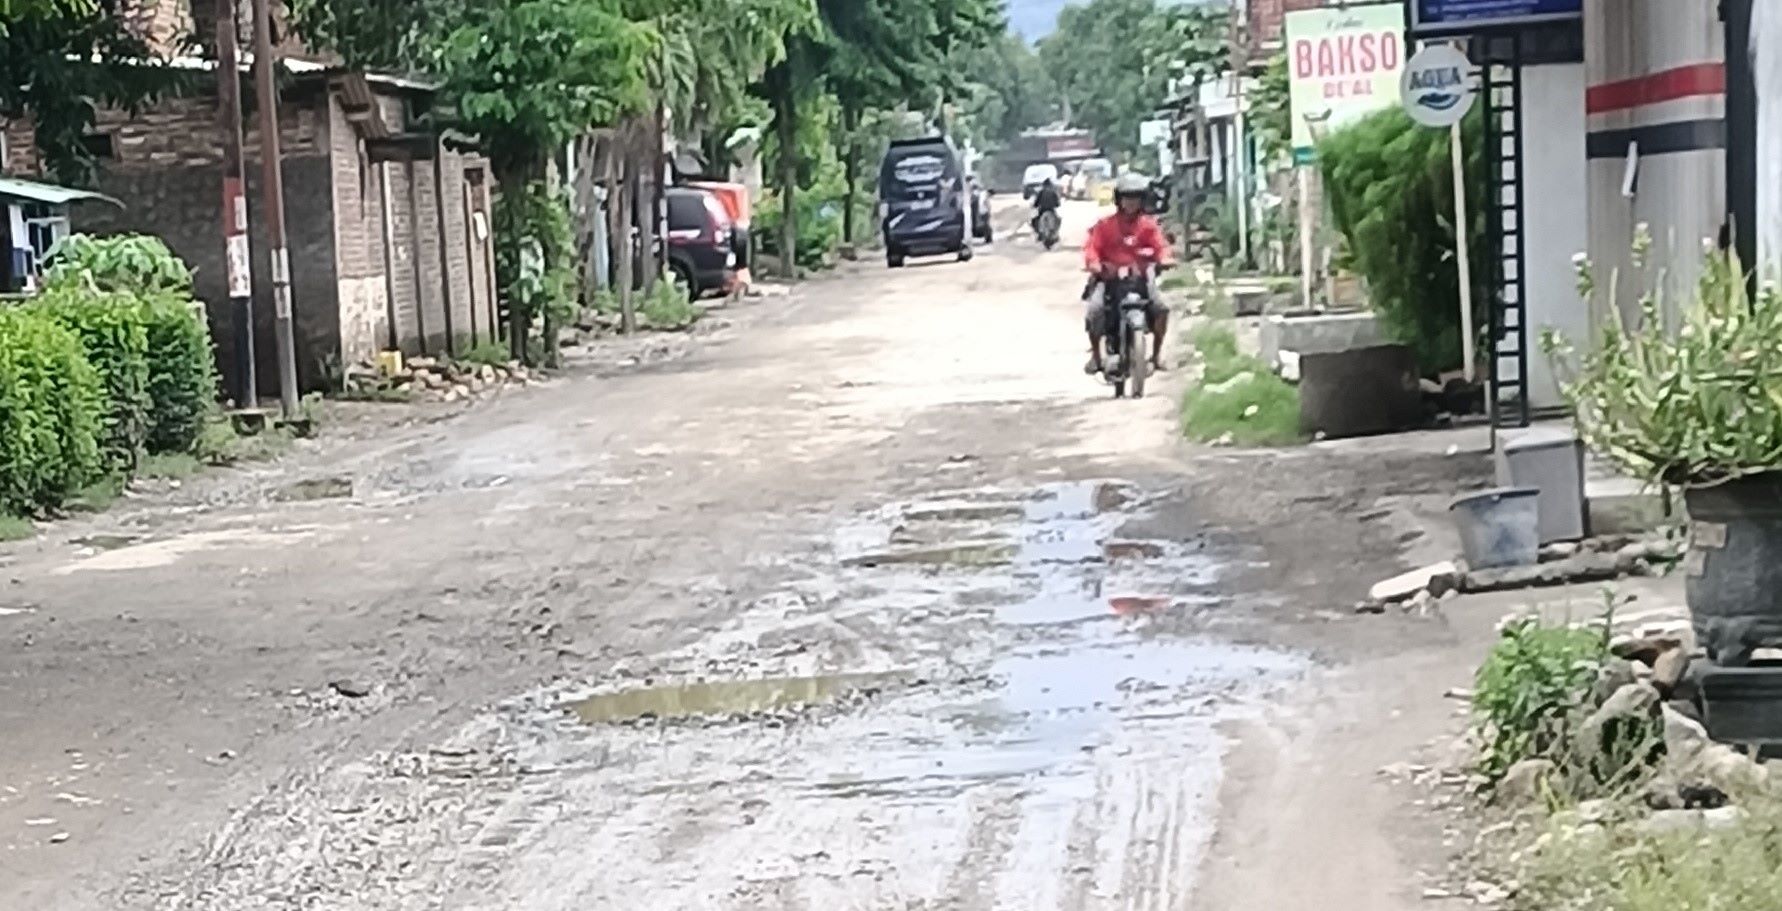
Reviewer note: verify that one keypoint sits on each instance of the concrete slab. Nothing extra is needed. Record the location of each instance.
(1360, 392)
(1325, 333)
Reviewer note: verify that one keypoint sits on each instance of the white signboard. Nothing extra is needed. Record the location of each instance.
(1439, 86)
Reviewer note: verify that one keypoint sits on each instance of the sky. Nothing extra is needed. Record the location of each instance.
(1034, 19)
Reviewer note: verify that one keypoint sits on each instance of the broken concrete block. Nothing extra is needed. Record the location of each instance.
(1403, 587)
(1586, 567)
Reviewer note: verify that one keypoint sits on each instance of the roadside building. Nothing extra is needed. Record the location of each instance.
(388, 220)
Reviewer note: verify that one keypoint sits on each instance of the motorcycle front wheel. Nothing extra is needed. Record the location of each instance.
(1137, 365)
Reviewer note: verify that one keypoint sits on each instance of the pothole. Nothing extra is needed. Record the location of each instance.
(105, 542)
(312, 489)
(771, 695)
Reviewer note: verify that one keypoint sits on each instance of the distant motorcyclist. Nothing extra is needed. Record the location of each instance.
(1045, 199)
(1132, 239)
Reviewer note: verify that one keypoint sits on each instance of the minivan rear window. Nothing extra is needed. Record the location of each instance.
(916, 171)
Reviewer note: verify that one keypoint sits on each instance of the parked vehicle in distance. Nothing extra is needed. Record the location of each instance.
(734, 197)
(702, 240)
(924, 202)
(1088, 176)
(980, 211)
(1035, 177)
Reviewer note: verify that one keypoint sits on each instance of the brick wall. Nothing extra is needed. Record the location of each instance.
(168, 174)
(180, 205)
(413, 292)
(359, 242)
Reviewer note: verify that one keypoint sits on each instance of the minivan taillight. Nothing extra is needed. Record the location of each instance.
(717, 221)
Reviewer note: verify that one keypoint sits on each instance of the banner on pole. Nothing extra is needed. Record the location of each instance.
(1342, 64)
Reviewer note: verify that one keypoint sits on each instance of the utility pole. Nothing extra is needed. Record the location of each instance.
(236, 249)
(273, 187)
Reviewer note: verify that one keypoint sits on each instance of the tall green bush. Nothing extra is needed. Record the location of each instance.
(138, 273)
(111, 331)
(137, 263)
(1390, 185)
(182, 381)
(52, 405)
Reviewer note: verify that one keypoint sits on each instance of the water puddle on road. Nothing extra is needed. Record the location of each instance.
(728, 698)
(916, 725)
(105, 542)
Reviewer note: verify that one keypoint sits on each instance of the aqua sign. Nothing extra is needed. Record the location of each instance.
(1460, 17)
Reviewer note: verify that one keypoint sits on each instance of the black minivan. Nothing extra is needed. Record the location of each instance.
(923, 201)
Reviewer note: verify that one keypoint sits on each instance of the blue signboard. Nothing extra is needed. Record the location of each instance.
(1459, 17)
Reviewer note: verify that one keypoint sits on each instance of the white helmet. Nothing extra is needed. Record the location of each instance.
(1131, 184)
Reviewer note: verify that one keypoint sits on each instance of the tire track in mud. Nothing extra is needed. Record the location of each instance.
(988, 700)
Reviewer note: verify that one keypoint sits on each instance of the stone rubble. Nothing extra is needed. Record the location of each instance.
(436, 380)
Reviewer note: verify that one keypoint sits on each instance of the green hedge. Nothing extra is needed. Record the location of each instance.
(94, 282)
(1391, 189)
(52, 408)
(111, 361)
(111, 329)
(182, 382)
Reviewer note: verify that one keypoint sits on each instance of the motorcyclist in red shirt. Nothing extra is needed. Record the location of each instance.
(1127, 238)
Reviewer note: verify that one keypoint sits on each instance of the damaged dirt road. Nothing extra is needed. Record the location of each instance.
(871, 601)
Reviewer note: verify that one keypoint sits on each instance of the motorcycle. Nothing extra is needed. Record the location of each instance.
(1046, 227)
(1128, 329)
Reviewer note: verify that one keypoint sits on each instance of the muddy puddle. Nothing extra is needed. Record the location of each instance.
(727, 698)
(1057, 746)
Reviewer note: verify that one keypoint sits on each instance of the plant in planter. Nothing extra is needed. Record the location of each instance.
(1691, 397)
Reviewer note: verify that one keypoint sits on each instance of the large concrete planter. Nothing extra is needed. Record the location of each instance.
(1319, 333)
(1733, 572)
(1361, 392)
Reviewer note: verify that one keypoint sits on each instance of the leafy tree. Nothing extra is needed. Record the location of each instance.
(526, 77)
(1271, 117)
(62, 59)
(1007, 91)
(522, 76)
(866, 55)
(1114, 61)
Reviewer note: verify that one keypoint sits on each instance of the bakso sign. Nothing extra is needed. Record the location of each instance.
(1341, 65)
(1454, 17)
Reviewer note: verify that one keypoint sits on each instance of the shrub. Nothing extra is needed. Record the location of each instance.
(1698, 407)
(1390, 184)
(182, 381)
(139, 272)
(667, 307)
(111, 331)
(1531, 689)
(52, 404)
(136, 263)
(819, 227)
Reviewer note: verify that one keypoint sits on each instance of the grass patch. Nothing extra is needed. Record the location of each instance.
(1217, 347)
(97, 496)
(1737, 867)
(492, 353)
(170, 466)
(219, 444)
(667, 308)
(13, 528)
(1238, 399)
